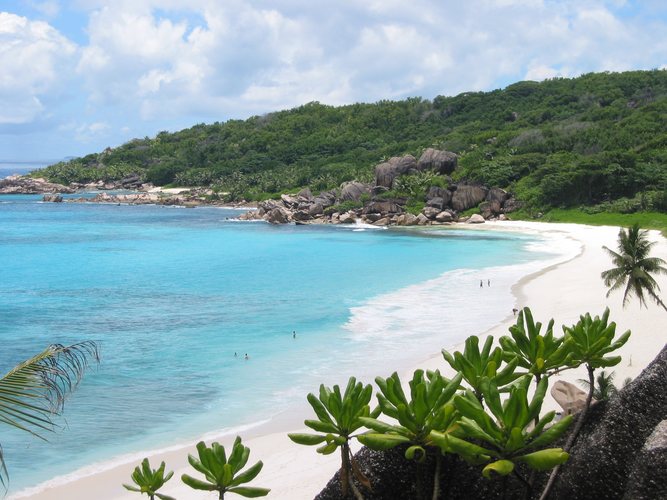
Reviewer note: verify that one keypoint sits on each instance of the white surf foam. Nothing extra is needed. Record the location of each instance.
(443, 311)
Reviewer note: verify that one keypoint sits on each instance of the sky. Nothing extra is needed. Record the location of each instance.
(78, 76)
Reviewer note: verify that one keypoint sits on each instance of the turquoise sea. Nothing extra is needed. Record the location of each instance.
(171, 295)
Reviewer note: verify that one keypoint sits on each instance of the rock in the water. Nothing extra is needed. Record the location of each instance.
(347, 218)
(301, 215)
(53, 198)
(475, 219)
(353, 190)
(382, 222)
(443, 162)
(278, 215)
(466, 197)
(385, 173)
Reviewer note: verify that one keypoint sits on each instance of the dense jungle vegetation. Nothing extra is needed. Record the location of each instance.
(598, 141)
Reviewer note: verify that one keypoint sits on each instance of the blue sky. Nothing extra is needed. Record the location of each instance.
(80, 75)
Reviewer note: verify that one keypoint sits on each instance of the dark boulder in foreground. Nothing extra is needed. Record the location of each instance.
(608, 456)
(621, 454)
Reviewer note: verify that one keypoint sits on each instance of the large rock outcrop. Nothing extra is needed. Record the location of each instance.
(442, 162)
(386, 172)
(467, 196)
(352, 191)
(18, 184)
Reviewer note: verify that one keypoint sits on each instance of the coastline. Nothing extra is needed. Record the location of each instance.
(562, 291)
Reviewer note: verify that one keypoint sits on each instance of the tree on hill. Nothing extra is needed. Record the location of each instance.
(633, 267)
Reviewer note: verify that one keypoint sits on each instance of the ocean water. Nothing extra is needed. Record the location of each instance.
(171, 295)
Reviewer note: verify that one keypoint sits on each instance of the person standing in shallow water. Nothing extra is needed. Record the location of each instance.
(293, 334)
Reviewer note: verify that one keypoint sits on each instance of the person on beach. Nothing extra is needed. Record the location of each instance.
(481, 283)
(515, 310)
(488, 282)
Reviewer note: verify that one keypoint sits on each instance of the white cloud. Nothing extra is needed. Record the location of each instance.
(33, 57)
(88, 132)
(154, 64)
(169, 58)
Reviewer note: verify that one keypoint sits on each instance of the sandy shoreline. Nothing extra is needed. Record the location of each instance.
(294, 472)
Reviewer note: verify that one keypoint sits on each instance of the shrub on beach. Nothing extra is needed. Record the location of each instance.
(506, 436)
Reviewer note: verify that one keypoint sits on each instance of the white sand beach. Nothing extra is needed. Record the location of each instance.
(295, 472)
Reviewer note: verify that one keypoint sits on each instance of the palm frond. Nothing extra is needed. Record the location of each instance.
(35, 390)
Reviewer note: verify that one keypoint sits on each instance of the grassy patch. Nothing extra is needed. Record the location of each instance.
(647, 220)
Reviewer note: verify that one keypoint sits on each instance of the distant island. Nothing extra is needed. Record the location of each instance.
(596, 143)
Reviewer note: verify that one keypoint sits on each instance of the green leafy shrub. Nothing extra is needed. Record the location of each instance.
(339, 416)
(149, 481)
(222, 473)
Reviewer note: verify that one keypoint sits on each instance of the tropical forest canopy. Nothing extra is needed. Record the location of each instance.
(599, 140)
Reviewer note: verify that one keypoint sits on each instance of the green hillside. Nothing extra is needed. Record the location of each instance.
(599, 140)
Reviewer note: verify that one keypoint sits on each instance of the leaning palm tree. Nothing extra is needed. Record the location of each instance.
(633, 267)
(34, 391)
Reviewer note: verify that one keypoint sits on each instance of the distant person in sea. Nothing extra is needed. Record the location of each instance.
(293, 334)
(247, 357)
(235, 355)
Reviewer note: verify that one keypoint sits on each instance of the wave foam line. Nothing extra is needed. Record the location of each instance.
(453, 305)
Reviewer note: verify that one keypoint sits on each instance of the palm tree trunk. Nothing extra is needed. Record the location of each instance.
(575, 432)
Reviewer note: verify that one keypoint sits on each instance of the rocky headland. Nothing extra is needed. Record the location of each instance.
(374, 203)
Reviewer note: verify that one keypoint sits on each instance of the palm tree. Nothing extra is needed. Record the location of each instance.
(634, 267)
(604, 386)
(35, 390)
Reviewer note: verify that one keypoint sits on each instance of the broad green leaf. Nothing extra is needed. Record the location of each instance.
(306, 439)
(197, 484)
(381, 442)
(250, 491)
(545, 459)
(499, 467)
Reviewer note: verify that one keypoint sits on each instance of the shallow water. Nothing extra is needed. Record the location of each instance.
(172, 294)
